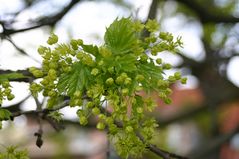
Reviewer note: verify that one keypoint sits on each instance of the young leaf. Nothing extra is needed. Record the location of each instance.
(127, 63)
(120, 36)
(93, 49)
(76, 79)
(152, 74)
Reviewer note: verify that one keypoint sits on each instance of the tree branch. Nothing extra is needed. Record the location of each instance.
(44, 112)
(212, 145)
(181, 116)
(41, 111)
(153, 10)
(26, 73)
(163, 153)
(151, 15)
(20, 49)
(205, 15)
(41, 22)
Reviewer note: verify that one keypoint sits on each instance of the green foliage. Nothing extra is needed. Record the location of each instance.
(5, 88)
(52, 39)
(152, 25)
(110, 78)
(56, 115)
(12, 152)
(75, 80)
(120, 36)
(128, 144)
(4, 114)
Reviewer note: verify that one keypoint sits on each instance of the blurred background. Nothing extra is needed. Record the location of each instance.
(203, 120)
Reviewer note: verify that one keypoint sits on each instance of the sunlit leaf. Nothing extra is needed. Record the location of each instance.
(76, 79)
(120, 36)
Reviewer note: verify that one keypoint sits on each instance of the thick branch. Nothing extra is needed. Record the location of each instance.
(213, 145)
(153, 10)
(206, 15)
(188, 62)
(181, 116)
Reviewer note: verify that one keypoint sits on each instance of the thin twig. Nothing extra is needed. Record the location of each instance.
(39, 133)
(8, 38)
(43, 111)
(160, 152)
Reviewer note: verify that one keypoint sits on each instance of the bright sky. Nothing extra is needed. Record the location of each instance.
(88, 21)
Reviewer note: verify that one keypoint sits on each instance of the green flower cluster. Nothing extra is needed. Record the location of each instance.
(5, 91)
(12, 152)
(5, 94)
(110, 78)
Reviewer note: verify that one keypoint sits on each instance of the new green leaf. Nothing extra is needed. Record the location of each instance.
(120, 36)
(77, 79)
